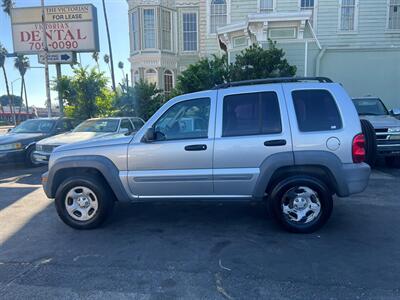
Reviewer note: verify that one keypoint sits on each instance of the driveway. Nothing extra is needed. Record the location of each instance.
(198, 250)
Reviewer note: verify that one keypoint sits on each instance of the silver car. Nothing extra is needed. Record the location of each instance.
(89, 129)
(292, 142)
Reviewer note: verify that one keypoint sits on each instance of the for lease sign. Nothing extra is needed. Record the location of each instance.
(68, 28)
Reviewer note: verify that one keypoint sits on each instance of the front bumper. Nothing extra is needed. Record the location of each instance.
(12, 156)
(389, 148)
(41, 157)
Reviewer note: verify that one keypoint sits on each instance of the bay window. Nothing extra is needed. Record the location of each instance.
(149, 28)
(189, 25)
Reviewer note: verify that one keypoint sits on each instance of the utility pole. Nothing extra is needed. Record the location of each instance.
(46, 61)
(60, 100)
(109, 46)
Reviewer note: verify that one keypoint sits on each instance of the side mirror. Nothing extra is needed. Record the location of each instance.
(9, 129)
(149, 136)
(395, 112)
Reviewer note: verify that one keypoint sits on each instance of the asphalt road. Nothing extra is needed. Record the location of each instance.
(198, 250)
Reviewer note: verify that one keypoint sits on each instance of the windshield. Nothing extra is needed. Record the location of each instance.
(370, 107)
(102, 125)
(35, 126)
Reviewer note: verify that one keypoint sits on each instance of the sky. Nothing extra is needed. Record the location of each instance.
(117, 13)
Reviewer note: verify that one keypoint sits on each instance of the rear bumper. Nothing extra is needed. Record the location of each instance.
(355, 178)
(14, 156)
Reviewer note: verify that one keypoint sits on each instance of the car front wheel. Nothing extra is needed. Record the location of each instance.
(301, 204)
(84, 202)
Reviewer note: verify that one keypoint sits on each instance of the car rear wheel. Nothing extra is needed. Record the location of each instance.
(301, 204)
(84, 202)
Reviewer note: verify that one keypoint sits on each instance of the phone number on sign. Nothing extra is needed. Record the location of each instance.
(54, 45)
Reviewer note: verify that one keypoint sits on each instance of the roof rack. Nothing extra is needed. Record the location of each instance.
(272, 80)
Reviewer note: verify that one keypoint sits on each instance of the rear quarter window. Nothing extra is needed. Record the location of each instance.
(316, 110)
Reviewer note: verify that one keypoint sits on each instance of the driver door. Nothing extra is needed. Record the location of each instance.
(178, 162)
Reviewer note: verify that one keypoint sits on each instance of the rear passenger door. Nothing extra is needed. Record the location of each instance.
(317, 125)
(252, 126)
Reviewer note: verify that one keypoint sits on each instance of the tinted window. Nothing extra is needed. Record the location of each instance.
(316, 110)
(64, 125)
(254, 113)
(184, 120)
(126, 124)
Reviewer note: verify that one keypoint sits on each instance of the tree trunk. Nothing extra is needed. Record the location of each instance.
(22, 97)
(26, 98)
(10, 100)
(109, 45)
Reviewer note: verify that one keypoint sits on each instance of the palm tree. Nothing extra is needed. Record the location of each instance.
(21, 63)
(109, 45)
(95, 56)
(121, 66)
(7, 6)
(106, 59)
(3, 55)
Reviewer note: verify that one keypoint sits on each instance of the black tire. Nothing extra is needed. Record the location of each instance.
(278, 197)
(371, 151)
(105, 201)
(392, 161)
(29, 160)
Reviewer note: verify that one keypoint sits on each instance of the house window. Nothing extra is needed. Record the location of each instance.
(266, 6)
(168, 82)
(308, 5)
(150, 76)
(166, 30)
(282, 33)
(189, 21)
(218, 14)
(135, 30)
(136, 77)
(149, 28)
(394, 14)
(240, 41)
(348, 15)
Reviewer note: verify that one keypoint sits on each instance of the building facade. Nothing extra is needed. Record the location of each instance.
(355, 42)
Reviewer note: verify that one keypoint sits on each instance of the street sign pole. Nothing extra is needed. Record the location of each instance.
(46, 62)
(60, 100)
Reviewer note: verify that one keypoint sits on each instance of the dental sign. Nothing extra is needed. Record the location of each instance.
(71, 28)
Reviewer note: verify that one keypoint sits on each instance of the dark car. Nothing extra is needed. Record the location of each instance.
(19, 143)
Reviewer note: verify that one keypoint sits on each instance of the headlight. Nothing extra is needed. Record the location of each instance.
(39, 147)
(14, 146)
(394, 130)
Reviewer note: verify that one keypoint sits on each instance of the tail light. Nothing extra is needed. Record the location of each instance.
(358, 149)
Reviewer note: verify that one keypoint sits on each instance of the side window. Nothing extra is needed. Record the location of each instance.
(64, 125)
(126, 124)
(137, 123)
(251, 114)
(316, 110)
(184, 120)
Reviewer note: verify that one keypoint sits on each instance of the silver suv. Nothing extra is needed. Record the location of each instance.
(293, 142)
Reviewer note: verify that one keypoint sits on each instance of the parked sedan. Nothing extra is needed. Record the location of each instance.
(18, 144)
(89, 129)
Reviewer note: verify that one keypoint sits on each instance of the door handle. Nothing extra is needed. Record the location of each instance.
(196, 147)
(275, 143)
